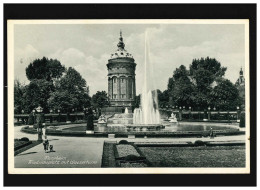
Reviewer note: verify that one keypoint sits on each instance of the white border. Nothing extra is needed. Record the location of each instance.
(10, 48)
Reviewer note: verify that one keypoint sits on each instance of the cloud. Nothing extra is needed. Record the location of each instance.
(88, 49)
(23, 57)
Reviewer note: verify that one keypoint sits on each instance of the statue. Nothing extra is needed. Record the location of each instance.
(173, 118)
(102, 119)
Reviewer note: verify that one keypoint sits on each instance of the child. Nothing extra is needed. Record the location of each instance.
(51, 148)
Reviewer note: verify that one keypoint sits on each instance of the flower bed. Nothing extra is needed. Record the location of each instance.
(201, 156)
(126, 149)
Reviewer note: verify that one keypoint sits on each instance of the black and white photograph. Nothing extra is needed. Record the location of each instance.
(169, 96)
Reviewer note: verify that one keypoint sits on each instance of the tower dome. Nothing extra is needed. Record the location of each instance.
(121, 51)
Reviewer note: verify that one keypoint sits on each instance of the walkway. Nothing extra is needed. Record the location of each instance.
(83, 152)
(70, 152)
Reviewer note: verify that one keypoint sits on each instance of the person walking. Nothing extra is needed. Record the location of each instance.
(45, 145)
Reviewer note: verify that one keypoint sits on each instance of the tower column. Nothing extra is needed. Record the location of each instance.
(126, 86)
(118, 88)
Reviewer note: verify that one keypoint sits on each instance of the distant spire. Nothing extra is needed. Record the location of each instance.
(241, 72)
(121, 44)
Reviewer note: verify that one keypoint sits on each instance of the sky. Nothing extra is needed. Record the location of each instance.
(87, 48)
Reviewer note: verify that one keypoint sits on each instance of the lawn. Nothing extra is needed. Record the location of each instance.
(217, 156)
(77, 128)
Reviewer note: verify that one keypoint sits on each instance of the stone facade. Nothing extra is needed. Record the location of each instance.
(121, 77)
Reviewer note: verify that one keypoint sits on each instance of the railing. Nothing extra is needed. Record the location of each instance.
(182, 115)
(187, 115)
(52, 118)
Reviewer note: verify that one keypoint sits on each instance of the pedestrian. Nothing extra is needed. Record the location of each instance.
(45, 145)
(211, 134)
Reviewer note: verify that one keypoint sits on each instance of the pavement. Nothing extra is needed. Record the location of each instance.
(85, 152)
(69, 152)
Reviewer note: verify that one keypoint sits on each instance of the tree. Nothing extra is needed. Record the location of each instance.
(225, 96)
(203, 73)
(41, 73)
(71, 92)
(180, 88)
(99, 100)
(19, 91)
(163, 98)
(44, 68)
(37, 94)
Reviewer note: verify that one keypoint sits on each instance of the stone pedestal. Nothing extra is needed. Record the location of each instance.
(111, 136)
(100, 127)
(89, 132)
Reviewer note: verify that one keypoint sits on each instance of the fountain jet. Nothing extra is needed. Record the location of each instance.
(148, 113)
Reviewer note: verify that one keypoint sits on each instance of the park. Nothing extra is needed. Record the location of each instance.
(198, 121)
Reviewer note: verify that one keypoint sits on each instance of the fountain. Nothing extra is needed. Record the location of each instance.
(148, 114)
(126, 110)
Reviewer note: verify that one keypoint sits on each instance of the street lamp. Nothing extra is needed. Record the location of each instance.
(209, 113)
(39, 109)
(183, 107)
(39, 122)
(238, 114)
(190, 113)
(23, 117)
(214, 108)
(59, 114)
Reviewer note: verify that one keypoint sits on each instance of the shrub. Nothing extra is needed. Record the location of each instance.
(24, 139)
(242, 120)
(132, 157)
(31, 119)
(199, 143)
(123, 142)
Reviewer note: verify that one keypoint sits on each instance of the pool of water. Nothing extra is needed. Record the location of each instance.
(121, 123)
(200, 126)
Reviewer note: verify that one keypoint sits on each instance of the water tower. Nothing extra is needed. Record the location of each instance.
(121, 77)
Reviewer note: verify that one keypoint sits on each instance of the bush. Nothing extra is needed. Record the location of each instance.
(199, 143)
(242, 120)
(24, 139)
(123, 142)
(132, 157)
(31, 119)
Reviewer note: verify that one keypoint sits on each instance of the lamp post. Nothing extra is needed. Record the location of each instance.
(39, 122)
(209, 113)
(238, 114)
(51, 118)
(84, 112)
(180, 113)
(59, 115)
(22, 117)
(190, 113)
(205, 115)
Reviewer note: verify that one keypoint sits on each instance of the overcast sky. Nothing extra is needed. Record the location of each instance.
(88, 47)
